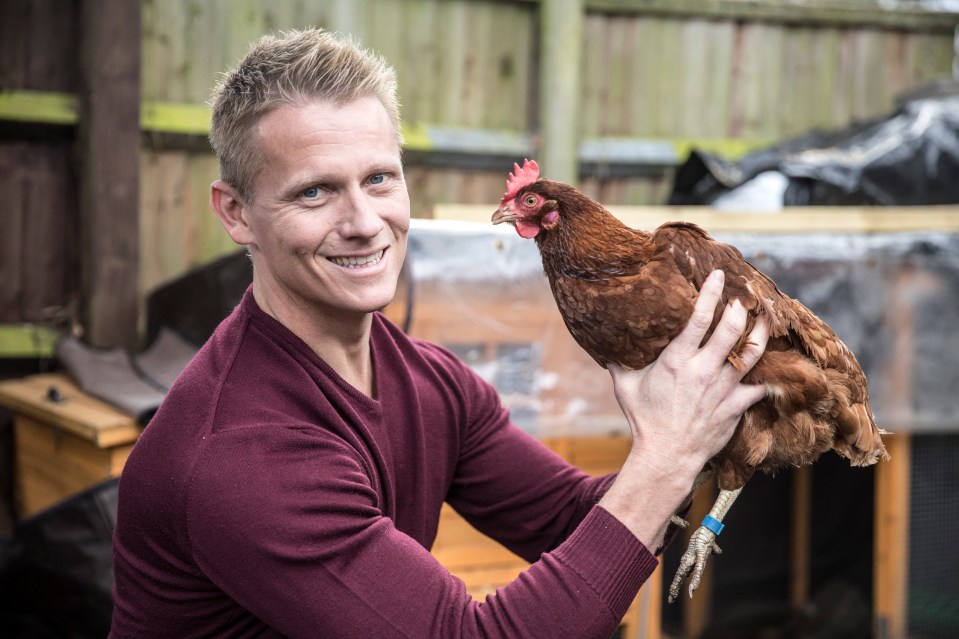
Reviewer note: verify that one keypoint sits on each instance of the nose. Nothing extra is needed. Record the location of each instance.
(360, 215)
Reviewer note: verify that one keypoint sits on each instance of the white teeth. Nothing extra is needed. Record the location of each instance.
(358, 262)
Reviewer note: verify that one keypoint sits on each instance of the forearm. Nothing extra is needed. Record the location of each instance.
(646, 494)
(532, 502)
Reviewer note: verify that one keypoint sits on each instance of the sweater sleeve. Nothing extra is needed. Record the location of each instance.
(509, 485)
(288, 524)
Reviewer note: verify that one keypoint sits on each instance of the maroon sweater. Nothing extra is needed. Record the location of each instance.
(270, 498)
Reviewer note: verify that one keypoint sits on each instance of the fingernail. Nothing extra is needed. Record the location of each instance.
(717, 276)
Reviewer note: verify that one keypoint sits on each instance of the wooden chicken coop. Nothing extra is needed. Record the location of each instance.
(501, 319)
(64, 440)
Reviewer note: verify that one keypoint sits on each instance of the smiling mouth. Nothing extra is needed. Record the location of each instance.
(364, 261)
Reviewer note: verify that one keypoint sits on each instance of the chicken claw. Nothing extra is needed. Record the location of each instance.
(701, 545)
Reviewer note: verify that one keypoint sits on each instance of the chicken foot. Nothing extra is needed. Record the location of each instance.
(701, 479)
(701, 545)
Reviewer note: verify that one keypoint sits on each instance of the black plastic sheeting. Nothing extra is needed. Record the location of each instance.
(56, 573)
(909, 158)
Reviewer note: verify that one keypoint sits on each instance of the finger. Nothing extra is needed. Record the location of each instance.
(744, 396)
(701, 319)
(727, 334)
(756, 343)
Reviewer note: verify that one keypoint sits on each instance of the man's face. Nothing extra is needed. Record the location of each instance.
(331, 210)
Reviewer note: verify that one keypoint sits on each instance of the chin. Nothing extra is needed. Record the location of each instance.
(376, 302)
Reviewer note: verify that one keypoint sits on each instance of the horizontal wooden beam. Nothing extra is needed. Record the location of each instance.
(166, 122)
(791, 13)
(44, 107)
(40, 107)
(813, 219)
(894, 18)
(26, 341)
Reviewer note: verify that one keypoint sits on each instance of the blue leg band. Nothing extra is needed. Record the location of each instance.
(713, 524)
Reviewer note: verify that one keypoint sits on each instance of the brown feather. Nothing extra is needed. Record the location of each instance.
(624, 294)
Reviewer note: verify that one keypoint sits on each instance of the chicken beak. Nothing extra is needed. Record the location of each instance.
(503, 214)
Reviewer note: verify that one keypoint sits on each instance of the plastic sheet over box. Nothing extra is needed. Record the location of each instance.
(892, 297)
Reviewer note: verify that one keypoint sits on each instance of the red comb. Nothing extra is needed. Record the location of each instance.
(521, 177)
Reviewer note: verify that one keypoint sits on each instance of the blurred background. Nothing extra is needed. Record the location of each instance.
(821, 138)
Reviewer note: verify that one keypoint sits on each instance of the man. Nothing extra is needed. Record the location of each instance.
(291, 483)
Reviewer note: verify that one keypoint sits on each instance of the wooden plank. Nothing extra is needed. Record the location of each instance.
(15, 219)
(27, 340)
(50, 258)
(893, 477)
(43, 480)
(512, 88)
(824, 47)
(801, 536)
(618, 95)
(696, 103)
(60, 448)
(38, 45)
(645, 618)
(38, 244)
(596, 455)
(78, 413)
(891, 553)
(34, 492)
(668, 121)
(38, 107)
(717, 65)
(821, 219)
(561, 36)
(109, 131)
(817, 14)
(420, 54)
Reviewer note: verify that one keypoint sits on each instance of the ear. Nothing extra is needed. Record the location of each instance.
(231, 211)
(551, 217)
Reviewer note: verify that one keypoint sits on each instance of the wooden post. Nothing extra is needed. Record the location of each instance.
(109, 136)
(891, 555)
(892, 489)
(561, 37)
(801, 535)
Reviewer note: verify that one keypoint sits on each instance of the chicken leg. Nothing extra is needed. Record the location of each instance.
(701, 545)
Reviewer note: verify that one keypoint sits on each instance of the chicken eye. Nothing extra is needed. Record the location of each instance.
(530, 200)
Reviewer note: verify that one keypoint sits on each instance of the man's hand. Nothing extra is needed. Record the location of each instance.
(682, 409)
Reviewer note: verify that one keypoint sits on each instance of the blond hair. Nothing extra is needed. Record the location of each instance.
(293, 68)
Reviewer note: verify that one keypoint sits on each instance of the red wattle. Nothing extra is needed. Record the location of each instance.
(527, 230)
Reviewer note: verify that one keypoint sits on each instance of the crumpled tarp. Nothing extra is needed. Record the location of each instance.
(134, 383)
(908, 158)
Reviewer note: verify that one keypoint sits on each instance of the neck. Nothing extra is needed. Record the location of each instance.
(342, 340)
(591, 247)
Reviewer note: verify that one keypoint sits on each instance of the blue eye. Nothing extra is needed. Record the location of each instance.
(377, 179)
(311, 192)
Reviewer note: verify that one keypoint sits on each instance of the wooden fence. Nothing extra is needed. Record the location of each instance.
(611, 93)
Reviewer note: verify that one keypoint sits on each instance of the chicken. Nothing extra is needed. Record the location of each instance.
(625, 293)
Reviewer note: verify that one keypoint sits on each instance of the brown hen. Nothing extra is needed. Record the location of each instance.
(625, 293)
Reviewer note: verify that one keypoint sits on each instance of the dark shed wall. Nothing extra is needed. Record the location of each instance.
(39, 206)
